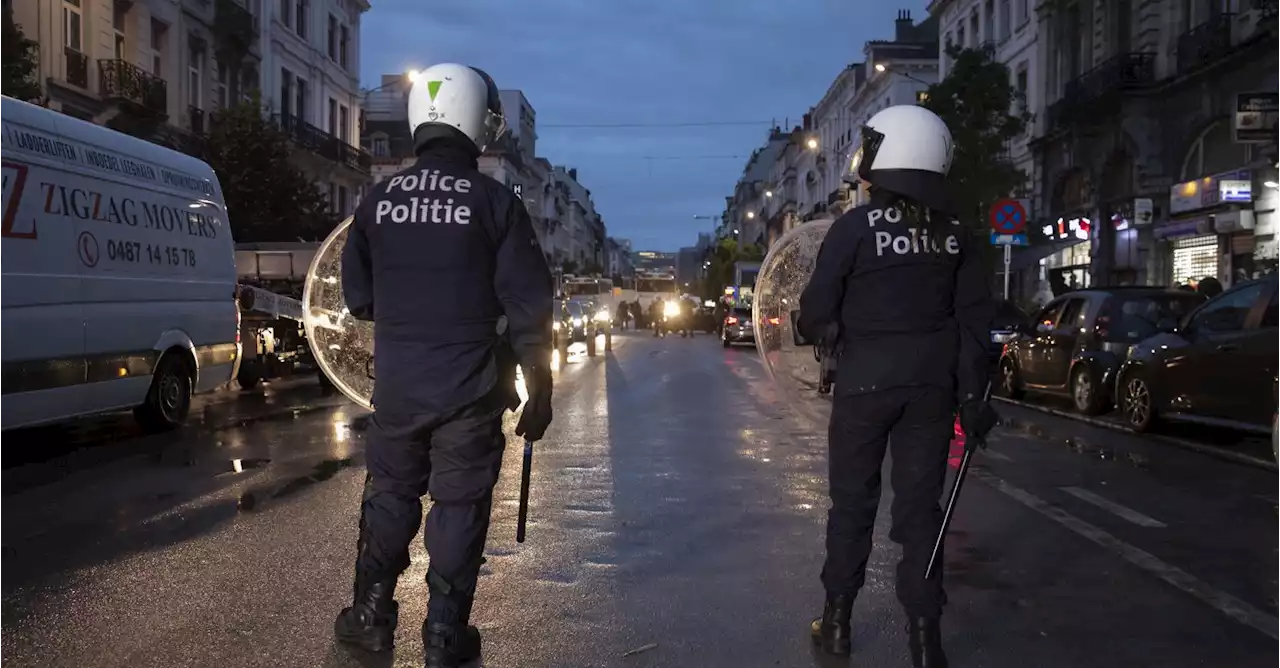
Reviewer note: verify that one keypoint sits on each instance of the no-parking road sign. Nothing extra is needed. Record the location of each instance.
(1009, 222)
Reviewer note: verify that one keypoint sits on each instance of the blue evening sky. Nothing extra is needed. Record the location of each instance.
(653, 62)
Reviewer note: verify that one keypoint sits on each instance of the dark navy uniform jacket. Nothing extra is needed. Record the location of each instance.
(435, 256)
(913, 308)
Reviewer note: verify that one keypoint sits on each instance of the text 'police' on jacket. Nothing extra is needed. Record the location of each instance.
(912, 240)
(433, 209)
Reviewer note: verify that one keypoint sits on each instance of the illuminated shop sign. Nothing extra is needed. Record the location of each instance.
(1235, 191)
(1227, 187)
(1067, 228)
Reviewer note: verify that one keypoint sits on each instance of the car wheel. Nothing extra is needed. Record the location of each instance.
(1136, 402)
(169, 399)
(727, 343)
(1275, 439)
(1085, 391)
(1010, 383)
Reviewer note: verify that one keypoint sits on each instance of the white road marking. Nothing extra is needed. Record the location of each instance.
(1226, 603)
(1109, 505)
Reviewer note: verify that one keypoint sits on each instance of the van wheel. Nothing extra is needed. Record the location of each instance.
(169, 398)
(250, 374)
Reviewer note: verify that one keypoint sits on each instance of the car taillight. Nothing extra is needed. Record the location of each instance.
(730, 320)
(774, 321)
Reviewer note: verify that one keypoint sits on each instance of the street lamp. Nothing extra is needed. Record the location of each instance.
(881, 67)
(768, 193)
(812, 143)
(750, 216)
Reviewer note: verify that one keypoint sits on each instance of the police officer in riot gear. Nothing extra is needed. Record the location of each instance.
(441, 257)
(907, 292)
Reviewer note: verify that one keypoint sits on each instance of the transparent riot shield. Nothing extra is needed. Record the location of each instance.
(342, 345)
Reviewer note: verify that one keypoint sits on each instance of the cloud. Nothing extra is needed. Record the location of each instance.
(633, 61)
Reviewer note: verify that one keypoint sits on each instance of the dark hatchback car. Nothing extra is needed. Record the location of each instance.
(1217, 366)
(1076, 343)
(737, 327)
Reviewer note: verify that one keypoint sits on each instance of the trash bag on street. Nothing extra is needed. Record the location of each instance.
(342, 345)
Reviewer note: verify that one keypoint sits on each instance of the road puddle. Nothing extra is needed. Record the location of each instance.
(1079, 445)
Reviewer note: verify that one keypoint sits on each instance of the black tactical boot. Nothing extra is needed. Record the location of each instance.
(449, 640)
(370, 622)
(831, 630)
(924, 637)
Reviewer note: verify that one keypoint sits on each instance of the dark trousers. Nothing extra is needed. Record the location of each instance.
(455, 457)
(918, 422)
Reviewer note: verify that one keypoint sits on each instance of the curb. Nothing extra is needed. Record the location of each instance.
(1217, 453)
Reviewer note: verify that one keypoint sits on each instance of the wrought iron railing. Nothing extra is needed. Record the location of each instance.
(233, 22)
(77, 67)
(1205, 43)
(322, 143)
(1123, 72)
(122, 80)
(195, 116)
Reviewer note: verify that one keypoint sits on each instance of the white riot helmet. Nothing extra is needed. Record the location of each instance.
(455, 96)
(906, 150)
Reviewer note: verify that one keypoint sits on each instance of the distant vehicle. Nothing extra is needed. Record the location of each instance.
(1008, 321)
(598, 290)
(1216, 366)
(1075, 344)
(573, 323)
(119, 274)
(738, 327)
(654, 286)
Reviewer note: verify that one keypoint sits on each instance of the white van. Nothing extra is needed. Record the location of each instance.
(118, 274)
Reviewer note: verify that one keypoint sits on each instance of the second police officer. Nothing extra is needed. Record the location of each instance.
(900, 290)
(437, 257)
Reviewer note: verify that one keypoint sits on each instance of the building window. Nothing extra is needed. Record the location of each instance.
(344, 45)
(159, 33)
(195, 67)
(989, 21)
(286, 11)
(301, 106)
(1021, 85)
(119, 17)
(344, 123)
(960, 38)
(1006, 19)
(333, 117)
(343, 194)
(300, 17)
(381, 147)
(974, 36)
(333, 38)
(922, 96)
(72, 25)
(286, 92)
(1023, 13)
(221, 94)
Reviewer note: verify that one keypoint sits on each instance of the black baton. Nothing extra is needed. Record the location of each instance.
(955, 496)
(525, 470)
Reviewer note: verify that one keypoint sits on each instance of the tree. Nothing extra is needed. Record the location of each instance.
(268, 197)
(723, 256)
(984, 112)
(20, 62)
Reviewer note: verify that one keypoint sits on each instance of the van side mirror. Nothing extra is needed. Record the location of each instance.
(796, 338)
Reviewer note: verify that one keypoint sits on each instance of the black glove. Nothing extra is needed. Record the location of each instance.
(536, 415)
(977, 419)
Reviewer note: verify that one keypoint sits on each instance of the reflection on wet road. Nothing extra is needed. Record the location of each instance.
(676, 520)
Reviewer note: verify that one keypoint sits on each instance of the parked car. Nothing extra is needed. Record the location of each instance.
(1008, 321)
(1216, 366)
(1076, 343)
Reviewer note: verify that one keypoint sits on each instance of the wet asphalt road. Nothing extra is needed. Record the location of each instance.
(677, 509)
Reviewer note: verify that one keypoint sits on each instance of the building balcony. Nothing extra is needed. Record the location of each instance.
(77, 64)
(1095, 93)
(323, 144)
(234, 25)
(127, 84)
(1205, 43)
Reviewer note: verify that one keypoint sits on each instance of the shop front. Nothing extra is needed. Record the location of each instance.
(1210, 231)
(1067, 268)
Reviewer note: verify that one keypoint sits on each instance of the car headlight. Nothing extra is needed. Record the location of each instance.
(555, 325)
(1001, 337)
(577, 322)
(671, 309)
(602, 316)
